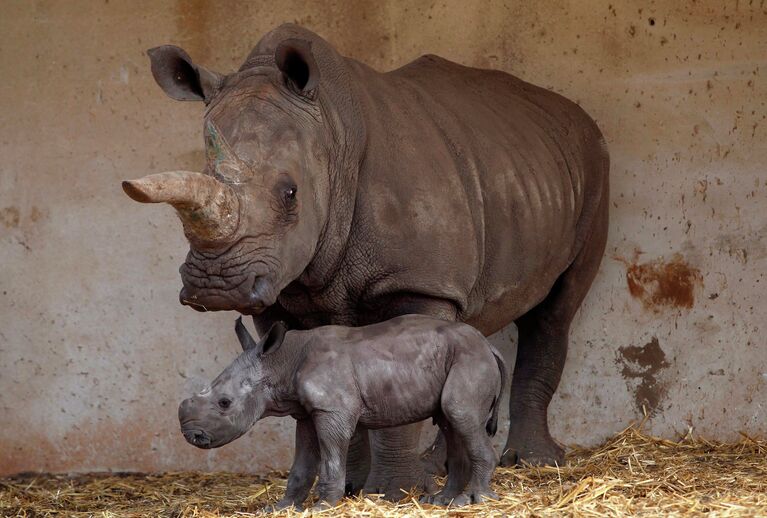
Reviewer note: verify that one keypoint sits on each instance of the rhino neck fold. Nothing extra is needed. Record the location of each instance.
(280, 368)
(343, 172)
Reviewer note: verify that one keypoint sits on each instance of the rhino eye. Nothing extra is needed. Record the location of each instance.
(224, 403)
(284, 197)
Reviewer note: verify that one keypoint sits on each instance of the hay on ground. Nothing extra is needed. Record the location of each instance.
(632, 474)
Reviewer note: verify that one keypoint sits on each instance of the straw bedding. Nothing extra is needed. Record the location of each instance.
(632, 474)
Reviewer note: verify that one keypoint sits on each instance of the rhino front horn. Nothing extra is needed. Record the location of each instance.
(208, 208)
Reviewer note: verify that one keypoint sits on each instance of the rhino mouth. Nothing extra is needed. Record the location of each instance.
(197, 438)
(229, 281)
(251, 296)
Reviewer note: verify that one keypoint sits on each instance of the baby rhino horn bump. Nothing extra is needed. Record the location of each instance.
(208, 208)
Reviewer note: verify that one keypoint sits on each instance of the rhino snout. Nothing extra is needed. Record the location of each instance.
(197, 438)
(189, 415)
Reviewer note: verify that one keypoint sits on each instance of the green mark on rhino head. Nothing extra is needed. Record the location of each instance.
(221, 159)
(214, 145)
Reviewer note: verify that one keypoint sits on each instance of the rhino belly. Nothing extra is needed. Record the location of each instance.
(400, 380)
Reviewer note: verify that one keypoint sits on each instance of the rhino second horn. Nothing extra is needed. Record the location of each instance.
(208, 208)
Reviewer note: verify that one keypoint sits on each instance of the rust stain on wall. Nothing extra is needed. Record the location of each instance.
(659, 284)
(36, 215)
(10, 217)
(644, 364)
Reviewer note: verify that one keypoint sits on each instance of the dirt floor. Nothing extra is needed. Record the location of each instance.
(632, 474)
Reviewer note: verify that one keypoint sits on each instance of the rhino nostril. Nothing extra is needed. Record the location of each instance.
(254, 297)
(197, 437)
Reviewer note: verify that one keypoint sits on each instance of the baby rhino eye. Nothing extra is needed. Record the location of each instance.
(224, 403)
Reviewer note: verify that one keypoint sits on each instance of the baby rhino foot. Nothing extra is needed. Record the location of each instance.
(461, 499)
(477, 497)
(324, 505)
(438, 499)
(281, 505)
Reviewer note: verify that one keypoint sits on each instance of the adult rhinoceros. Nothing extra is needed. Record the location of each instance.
(334, 193)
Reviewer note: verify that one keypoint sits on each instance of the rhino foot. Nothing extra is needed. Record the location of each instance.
(541, 451)
(394, 488)
(396, 466)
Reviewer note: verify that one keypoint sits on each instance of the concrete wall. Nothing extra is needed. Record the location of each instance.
(96, 352)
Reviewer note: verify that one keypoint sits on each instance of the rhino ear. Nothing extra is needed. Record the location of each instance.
(271, 341)
(296, 61)
(180, 78)
(246, 340)
(273, 338)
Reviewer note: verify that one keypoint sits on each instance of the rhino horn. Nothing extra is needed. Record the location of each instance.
(209, 209)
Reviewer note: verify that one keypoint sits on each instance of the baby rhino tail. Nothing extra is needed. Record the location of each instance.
(492, 423)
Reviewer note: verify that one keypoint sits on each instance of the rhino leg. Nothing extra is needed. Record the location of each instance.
(334, 432)
(541, 353)
(541, 356)
(357, 462)
(395, 466)
(458, 467)
(304, 470)
(435, 458)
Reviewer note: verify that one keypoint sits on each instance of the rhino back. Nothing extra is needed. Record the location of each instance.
(474, 183)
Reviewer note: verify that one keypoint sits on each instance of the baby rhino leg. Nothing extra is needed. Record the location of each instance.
(334, 431)
(482, 459)
(466, 404)
(304, 469)
(458, 468)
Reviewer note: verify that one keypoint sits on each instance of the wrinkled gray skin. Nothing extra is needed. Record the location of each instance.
(334, 380)
(438, 189)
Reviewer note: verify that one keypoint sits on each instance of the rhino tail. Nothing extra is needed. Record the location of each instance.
(492, 423)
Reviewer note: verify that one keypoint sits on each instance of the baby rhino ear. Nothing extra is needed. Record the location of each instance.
(271, 341)
(246, 340)
(273, 338)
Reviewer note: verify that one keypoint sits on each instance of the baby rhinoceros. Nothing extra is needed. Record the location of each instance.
(334, 379)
